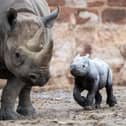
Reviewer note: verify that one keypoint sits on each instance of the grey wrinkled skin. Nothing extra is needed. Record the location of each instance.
(26, 47)
(91, 75)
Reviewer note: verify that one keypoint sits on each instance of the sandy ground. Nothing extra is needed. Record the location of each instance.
(57, 108)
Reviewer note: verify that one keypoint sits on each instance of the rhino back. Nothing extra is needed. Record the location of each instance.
(102, 68)
(100, 64)
(38, 7)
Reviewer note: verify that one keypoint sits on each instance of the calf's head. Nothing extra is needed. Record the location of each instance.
(80, 66)
(28, 45)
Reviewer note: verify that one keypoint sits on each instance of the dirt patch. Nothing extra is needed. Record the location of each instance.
(57, 108)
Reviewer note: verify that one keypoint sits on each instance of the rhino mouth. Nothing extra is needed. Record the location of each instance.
(37, 79)
(77, 73)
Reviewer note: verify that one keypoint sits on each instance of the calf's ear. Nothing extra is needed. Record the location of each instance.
(88, 55)
(11, 17)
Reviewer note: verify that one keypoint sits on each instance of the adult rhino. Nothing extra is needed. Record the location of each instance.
(26, 46)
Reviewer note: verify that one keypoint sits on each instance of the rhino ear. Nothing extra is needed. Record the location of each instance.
(50, 19)
(11, 17)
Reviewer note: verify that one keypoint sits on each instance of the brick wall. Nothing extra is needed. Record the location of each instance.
(91, 11)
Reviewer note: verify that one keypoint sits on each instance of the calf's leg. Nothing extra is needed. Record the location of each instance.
(98, 99)
(91, 94)
(111, 99)
(81, 100)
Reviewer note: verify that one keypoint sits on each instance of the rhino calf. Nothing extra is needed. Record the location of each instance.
(26, 46)
(91, 75)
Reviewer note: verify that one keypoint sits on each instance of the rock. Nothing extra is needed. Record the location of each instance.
(111, 15)
(87, 17)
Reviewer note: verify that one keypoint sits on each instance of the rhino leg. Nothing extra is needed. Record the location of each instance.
(81, 100)
(111, 99)
(98, 99)
(25, 106)
(8, 99)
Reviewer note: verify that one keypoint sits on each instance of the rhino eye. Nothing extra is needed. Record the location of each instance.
(83, 66)
(17, 55)
(18, 58)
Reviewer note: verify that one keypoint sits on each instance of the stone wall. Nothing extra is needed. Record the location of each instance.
(107, 42)
(96, 27)
(94, 11)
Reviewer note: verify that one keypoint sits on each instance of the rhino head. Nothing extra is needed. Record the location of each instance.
(28, 45)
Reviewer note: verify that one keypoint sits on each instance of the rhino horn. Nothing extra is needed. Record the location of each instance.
(35, 44)
(50, 19)
(44, 56)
